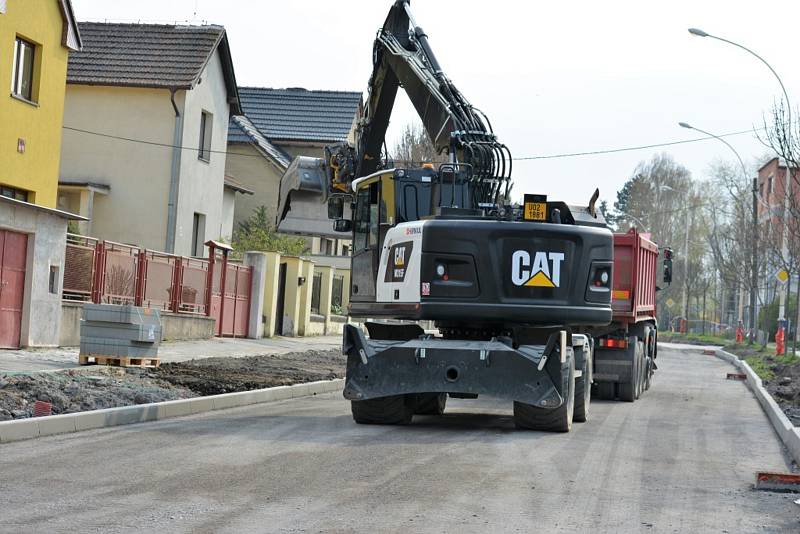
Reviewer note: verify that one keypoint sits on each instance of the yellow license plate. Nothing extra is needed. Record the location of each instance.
(535, 211)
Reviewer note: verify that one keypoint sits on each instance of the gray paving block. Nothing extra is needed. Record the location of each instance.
(18, 429)
(114, 313)
(56, 424)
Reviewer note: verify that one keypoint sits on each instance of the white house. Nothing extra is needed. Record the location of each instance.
(145, 135)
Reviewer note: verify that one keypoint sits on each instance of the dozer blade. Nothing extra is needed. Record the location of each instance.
(302, 197)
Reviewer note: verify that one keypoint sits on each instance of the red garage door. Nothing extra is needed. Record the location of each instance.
(13, 252)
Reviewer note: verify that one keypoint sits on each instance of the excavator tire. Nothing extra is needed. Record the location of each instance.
(527, 416)
(394, 410)
(583, 389)
(430, 403)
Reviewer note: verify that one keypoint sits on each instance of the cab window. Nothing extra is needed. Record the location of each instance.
(367, 217)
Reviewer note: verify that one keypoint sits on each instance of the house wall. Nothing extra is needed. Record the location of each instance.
(135, 209)
(47, 241)
(229, 202)
(202, 183)
(256, 173)
(39, 124)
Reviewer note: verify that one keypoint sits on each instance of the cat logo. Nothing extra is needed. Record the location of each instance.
(399, 256)
(545, 271)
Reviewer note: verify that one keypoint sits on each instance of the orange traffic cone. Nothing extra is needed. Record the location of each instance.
(739, 334)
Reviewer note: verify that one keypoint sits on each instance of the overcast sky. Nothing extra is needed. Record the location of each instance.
(553, 77)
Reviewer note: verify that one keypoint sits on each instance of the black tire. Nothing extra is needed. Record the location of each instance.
(627, 389)
(558, 419)
(640, 360)
(605, 391)
(583, 386)
(430, 403)
(394, 410)
(648, 377)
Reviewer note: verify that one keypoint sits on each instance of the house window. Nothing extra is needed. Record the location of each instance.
(770, 186)
(198, 234)
(206, 121)
(13, 192)
(22, 79)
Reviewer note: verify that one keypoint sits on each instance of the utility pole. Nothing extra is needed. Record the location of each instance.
(685, 303)
(754, 267)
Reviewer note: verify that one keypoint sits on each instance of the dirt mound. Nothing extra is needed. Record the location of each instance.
(78, 390)
(212, 376)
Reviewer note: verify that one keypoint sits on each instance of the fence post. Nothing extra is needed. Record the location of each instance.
(98, 274)
(223, 280)
(257, 262)
(141, 274)
(175, 296)
(210, 281)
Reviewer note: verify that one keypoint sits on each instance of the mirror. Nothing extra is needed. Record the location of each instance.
(667, 265)
(335, 208)
(342, 225)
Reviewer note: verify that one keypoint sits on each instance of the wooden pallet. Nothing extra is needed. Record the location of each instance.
(118, 361)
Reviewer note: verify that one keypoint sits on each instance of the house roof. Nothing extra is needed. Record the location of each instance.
(70, 35)
(52, 211)
(297, 114)
(237, 186)
(242, 130)
(150, 55)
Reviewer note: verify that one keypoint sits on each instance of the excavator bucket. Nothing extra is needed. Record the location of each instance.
(302, 198)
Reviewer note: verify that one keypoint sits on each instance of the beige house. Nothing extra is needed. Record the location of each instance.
(145, 135)
(276, 126)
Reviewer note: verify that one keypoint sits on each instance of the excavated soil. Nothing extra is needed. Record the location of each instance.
(97, 387)
(785, 389)
(212, 376)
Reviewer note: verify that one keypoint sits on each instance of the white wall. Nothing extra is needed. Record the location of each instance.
(202, 183)
(47, 241)
(135, 210)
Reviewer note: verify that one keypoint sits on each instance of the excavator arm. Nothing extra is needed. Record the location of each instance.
(402, 57)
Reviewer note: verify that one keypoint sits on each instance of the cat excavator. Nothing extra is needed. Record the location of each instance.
(514, 291)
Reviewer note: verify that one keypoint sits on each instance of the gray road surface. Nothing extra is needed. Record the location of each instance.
(681, 459)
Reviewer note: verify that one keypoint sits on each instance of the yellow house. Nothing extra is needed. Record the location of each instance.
(36, 37)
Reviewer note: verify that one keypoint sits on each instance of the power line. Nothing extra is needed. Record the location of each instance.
(527, 158)
(631, 148)
(155, 143)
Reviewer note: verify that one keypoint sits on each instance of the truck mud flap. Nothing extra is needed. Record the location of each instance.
(380, 368)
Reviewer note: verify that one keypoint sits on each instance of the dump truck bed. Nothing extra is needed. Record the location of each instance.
(635, 268)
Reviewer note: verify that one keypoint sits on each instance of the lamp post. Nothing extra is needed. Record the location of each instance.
(754, 255)
(784, 238)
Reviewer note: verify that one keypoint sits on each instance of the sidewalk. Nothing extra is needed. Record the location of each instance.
(49, 359)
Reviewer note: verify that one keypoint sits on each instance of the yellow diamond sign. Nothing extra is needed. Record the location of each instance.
(782, 276)
(670, 303)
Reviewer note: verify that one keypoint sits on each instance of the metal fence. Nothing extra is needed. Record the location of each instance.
(337, 292)
(114, 273)
(316, 293)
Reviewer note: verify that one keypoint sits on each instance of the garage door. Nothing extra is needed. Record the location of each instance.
(13, 253)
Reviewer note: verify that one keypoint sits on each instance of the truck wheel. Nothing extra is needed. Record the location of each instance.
(640, 360)
(558, 419)
(430, 403)
(583, 389)
(394, 410)
(627, 389)
(605, 391)
(648, 373)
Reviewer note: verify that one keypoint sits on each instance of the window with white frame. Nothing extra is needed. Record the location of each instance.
(22, 78)
(206, 122)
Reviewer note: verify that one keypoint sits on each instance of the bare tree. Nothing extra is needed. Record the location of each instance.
(415, 147)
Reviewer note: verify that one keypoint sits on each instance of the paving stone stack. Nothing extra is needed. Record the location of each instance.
(123, 333)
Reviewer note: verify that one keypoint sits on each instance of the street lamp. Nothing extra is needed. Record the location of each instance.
(754, 256)
(784, 245)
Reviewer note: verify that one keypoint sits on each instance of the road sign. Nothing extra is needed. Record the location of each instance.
(782, 276)
(670, 303)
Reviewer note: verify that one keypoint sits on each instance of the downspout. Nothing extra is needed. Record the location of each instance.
(174, 180)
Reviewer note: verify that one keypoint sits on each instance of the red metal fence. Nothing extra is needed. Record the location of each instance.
(113, 273)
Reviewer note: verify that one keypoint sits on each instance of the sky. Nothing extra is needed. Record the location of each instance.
(553, 77)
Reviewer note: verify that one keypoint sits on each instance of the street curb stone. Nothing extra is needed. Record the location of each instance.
(35, 427)
(789, 434)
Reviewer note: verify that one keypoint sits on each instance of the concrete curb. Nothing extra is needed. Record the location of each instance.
(35, 427)
(789, 434)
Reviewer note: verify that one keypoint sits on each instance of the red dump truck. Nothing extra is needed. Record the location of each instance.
(625, 350)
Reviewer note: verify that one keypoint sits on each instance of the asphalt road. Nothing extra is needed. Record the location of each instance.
(681, 459)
